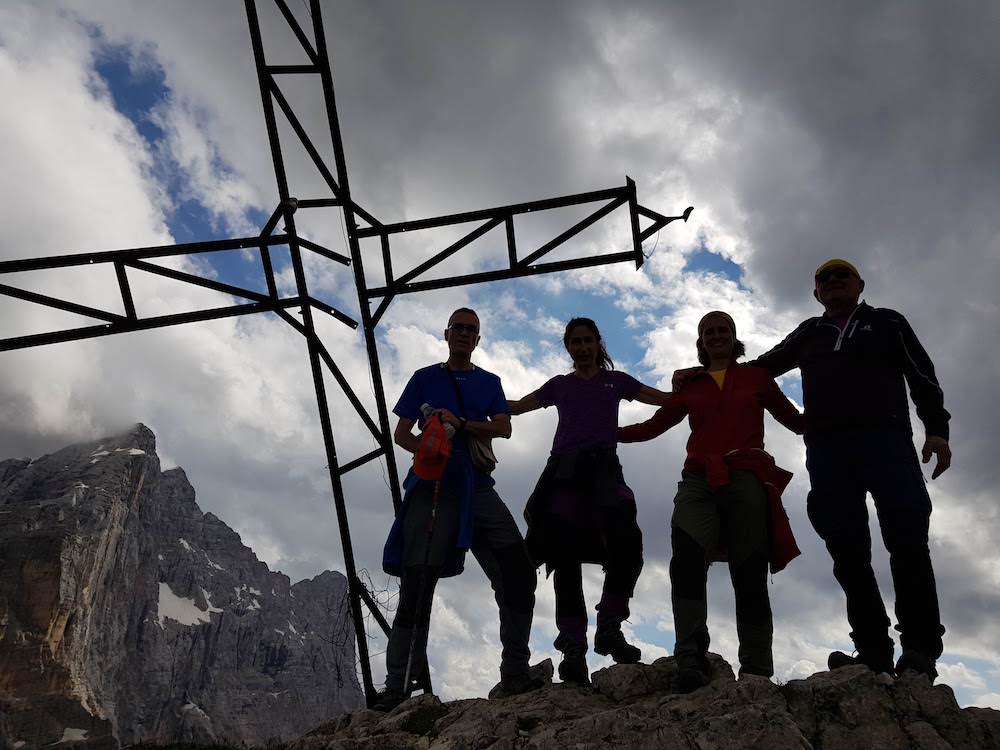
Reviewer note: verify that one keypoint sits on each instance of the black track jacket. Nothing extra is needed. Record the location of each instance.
(853, 379)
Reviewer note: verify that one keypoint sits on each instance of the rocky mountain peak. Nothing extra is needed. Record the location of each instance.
(127, 615)
(638, 706)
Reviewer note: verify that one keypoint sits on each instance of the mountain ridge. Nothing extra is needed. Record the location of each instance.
(128, 615)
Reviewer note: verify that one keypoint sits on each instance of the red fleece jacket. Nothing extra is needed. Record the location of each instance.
(727, 431)
(722, 420)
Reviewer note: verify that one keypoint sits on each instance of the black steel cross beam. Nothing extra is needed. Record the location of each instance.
(517, 267)
(137, 258)
(128, 318)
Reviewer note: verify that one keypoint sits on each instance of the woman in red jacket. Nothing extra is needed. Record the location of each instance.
(728, 500)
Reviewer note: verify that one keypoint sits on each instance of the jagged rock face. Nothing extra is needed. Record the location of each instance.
(637, 706)
(129, 616)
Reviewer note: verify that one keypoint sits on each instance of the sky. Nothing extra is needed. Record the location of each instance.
(798, 132)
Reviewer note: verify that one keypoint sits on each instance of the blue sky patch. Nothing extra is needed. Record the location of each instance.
(137, 85)
(190, 221)
(625, 349)
(705, 261)
(791, 384)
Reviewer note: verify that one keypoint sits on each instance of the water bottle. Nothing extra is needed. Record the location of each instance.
(427, 410)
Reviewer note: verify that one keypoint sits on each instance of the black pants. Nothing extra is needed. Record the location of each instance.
(497, 545)
(842, 469)
(623, 546)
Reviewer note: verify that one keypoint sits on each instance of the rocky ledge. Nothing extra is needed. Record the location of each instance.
(637, 706)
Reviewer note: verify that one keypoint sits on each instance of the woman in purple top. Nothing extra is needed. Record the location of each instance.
(581, 509)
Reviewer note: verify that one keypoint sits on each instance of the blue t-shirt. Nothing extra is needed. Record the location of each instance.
(482, 395)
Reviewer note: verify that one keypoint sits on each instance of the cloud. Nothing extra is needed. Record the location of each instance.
(209, 180)
(987, 700)
(960, 676)
(798, 133)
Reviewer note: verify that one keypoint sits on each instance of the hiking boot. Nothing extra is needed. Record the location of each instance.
(516, 684)
(690, 679)
(611, 642)
(838, 659)
(573, 667)
(915, 661)
(693, 673)
(388, 699)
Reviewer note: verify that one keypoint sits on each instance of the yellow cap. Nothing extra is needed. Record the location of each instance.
(838, 262)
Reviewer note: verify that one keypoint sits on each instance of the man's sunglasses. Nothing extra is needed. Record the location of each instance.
(463, 328)
(833, 273)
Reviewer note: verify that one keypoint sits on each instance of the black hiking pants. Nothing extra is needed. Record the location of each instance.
(843, 467)
(622, 566)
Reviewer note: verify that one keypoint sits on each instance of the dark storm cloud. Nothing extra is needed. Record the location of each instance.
(441, 97)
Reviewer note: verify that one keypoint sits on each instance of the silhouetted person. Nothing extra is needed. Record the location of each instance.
(728, 499)
(581, 509)
(469, 515)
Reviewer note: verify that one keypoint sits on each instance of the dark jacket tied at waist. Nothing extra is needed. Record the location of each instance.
(591, 481)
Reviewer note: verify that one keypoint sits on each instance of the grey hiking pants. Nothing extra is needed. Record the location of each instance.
(498, 546)
(734, 516)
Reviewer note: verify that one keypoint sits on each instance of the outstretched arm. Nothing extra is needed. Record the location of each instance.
(672, 412)
(783, 410)
(524, 405)
(654, 397)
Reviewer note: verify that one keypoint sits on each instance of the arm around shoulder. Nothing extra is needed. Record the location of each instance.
(524, 405)
(682, 377)
(496, 426)
(782, 409)
(652, 396)
(785, 356)
(665, 417)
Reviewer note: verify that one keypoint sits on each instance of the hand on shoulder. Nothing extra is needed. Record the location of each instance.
(681, 378)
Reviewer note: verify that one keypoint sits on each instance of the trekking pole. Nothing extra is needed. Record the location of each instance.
(427, 410)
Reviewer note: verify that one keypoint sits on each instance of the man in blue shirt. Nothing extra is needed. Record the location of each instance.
(470, 515)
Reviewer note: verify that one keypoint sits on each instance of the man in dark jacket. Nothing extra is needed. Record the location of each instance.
(856, 362)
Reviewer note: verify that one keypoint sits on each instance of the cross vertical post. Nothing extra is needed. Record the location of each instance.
(350, 220)
(312, 341)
